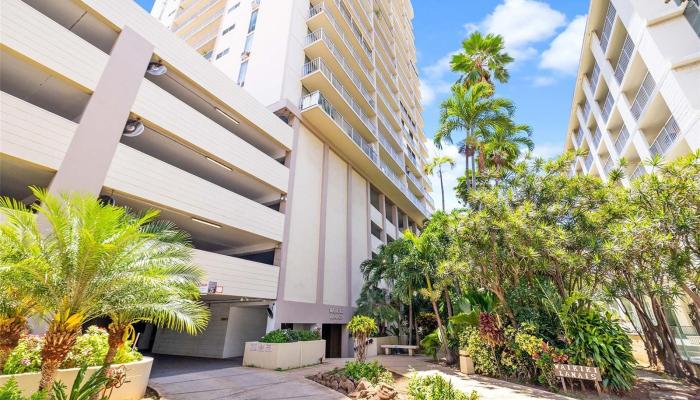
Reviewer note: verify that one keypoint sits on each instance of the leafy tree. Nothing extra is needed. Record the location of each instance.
(361, 327)
(481, 59)
(502, 146)
(437, 163)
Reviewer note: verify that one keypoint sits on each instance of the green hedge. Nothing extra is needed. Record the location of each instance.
(289, 336)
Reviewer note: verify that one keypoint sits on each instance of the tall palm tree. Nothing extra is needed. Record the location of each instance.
(481, 59)
(474, 111)
(85, 255)
(437, 163)
(503, 146)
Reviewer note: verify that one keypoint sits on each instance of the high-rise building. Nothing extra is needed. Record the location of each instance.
(637, 93)
(343, 74)
(637, 96)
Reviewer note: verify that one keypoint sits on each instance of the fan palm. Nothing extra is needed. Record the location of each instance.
(502, 147)
(437, 163)
(84, 256)
(475, 112)
(481, 59)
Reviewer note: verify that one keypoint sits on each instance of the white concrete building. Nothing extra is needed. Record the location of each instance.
(637, 95)
(73, 75)
(342, 73)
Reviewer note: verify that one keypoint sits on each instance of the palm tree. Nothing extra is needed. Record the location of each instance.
(502, 147)
(476, 112)
(438, 162)
(481, 59)
(15, 309)
(85, 255)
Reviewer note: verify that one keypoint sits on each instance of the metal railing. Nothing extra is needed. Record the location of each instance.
(607, 27)
(390, 106)
(318, 65)
(589, 160)
(317, 99)
(391, 150)
(177, 27)
(414, 179)
(595, 74)
(597, 137)
(320, 7)
(606, 109)
(666, 137)
(354, 28)
(319, 34)
(624, 59)
(206, 40)
(579, 136)
(388, 126)
(643, 95)
(416, 202)
(621, 140)
(586, 109)
(639, 171)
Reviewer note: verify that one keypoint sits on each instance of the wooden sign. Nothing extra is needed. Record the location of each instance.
(581, 372)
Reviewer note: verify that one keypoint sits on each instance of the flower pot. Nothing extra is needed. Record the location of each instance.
(466, 364)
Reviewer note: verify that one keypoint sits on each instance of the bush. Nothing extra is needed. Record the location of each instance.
(372, 371)
(90, 349)
(484, 357)
(289, 336)
(11, 391)
(435, 387)
(361, 327)
(431, 344)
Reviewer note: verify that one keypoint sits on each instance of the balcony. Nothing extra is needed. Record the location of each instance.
(318, 37)
(609, 165)
(621, 140)
(639, 171)
(665, 139)
(211, 36)
(643, 95)
(606, 109)
(416, 202)
(390, 105)
(316, 100)
(579, 137)
(414, 179)
(393, 177)
(607, 27)
(594, 77)
(624, 59)
(321, 18)
(204, 25)
(208, 6)
(586, 110)
(395, 156)
(237, 276)
(317, 65)
(356, 32)
(597, 137)
(389, 128)
(589, 160)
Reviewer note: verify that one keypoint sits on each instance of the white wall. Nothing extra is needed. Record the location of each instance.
(336, 243)
(245, 324)
(209, 343)
(360, 230)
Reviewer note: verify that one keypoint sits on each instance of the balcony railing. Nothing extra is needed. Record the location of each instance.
(579, 136)
(606, 109)
(317, 99)
(206, 40)
(390, 106)
(609, 165)
(391, 150)
(318, 65)
(621, 140)
(667, 135)
(586, 110)
(388, 126)
(416, 202)
(624, 59)
(177, 27)
(643, 95)
(597, 137)
(589, 160)
(414, 179)
(204, 25)
(354, 28)
(319, 34)
(607, 27)
(639, 171)
(320, 7)
(594, 77)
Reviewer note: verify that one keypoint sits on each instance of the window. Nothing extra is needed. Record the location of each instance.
(227, 30)
(248, 43)
(235, 6)
(172, 12)
(253, 21)
(242, 72)
(223, 53)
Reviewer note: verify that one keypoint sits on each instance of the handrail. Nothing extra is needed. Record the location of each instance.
(643, 95)
(176, 27)
(666, 137)
(624, 59)
(204, 25)
(621, 140)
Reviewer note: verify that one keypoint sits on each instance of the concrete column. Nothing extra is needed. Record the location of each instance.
(90, 153)
(320, 275)
(382, 210)
(395, 220)
(405, 222)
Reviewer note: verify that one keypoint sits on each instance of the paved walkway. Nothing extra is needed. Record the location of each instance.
(188, 378)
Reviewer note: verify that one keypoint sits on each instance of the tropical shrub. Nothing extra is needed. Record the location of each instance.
(89, 349)
(361, 327)
(11, 391)
(289, 336)
(372, 371)
(482, 354)
(435, 387)
(597, 339)
(431, 344)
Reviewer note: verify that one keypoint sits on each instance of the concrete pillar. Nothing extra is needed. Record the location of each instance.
(90, 153)
(382, 210)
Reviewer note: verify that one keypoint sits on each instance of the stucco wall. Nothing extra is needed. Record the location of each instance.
(209, 343)
(336, 243)
(245, 324)
(360, 230)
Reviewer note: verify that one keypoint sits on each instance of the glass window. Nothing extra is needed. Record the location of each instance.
(248, 43)
(253, 21)
(242, 72)
(235, 6)
(227, 30)
(223, 53)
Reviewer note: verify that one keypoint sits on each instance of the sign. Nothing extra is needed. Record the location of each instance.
(577, 372)
(335, 313)
(210, 287)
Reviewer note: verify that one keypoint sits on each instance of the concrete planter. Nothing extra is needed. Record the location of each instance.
(284, 355)
(466, 364)
(374, 348)
(137, 374)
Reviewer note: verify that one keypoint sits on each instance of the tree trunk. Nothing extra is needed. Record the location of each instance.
(443, 333)
(498, 291)
(474, 170)
(115, 341)
(442, 189)
(10, 333)
(57, 343)
(448, 303)
(673, 357)
(410, 317)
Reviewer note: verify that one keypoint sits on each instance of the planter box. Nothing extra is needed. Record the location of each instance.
(466, 365)
(284, 355)
(374, 348)
(137, 374)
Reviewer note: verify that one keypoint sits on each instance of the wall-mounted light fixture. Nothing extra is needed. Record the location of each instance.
(133, 128)
(156, 68)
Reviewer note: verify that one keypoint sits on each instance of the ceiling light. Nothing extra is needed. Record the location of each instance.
(235, 121)
(156, 69)
(133, 128)
(218, 163)
(201, 221)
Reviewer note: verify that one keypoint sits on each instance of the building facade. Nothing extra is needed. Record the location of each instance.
(98, 97)
(637, 96)
(343, 74)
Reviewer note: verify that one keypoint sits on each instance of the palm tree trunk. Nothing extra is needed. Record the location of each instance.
(473, 170)
(441, 327)
(442, 188)
(10, 333)
(410, 316)
(57, 343)
(115, 341)
(448, 303)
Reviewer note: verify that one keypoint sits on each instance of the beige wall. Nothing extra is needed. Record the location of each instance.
(358, 214)
(305, 220)
(245, 324)
(209, 343)
(336, 243)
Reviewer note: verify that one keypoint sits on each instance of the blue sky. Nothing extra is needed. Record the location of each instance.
(545, 38)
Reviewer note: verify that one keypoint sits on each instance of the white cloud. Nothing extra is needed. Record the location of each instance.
(522, 23)
(548, 149)
(563, 53)
(433, 82)
(541, 81)
(449, 176)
